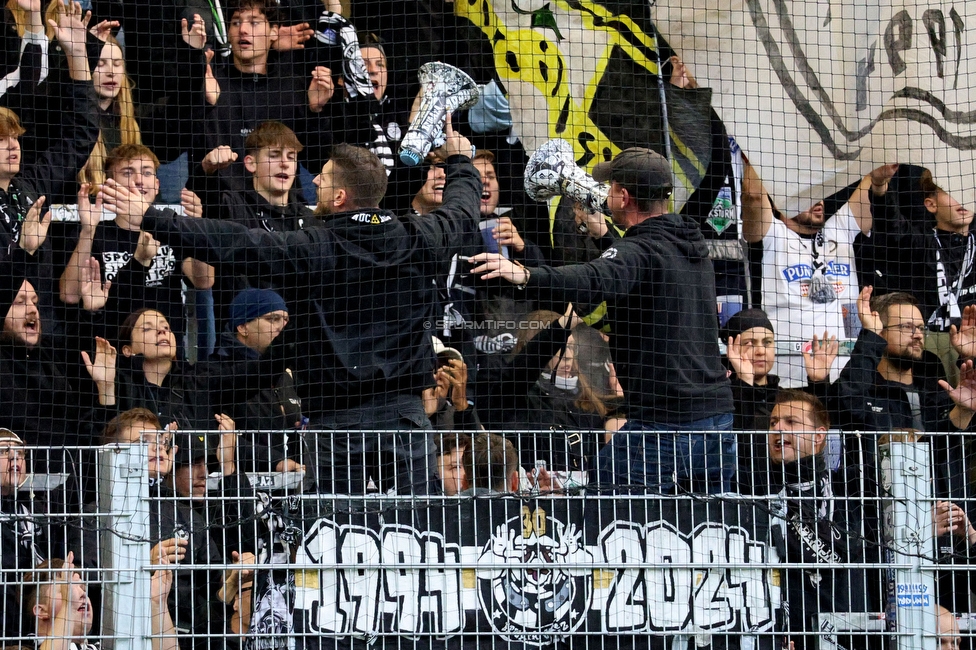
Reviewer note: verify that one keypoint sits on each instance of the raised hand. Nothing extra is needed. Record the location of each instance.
(819, 359)
(880, 177)
(226, 449)
(292, 37)
(94, 293)
(103, 29)
(740, 365)
(30, 6)
(963, 395)
(192, 205)
(219, 158)
(320, 89)
(102, 370)
(35, 23)
(33, 230)
(89, 215)
(194, 35)
(963, 338)
(212, 87)
(146, 249)
(506, 234)
(456, 373)
(70, 28)
(131, 206)
(160, 583)
(870, 320)
(681, 76)
(455, 144)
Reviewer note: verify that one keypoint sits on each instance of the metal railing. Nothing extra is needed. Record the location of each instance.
(592, 565)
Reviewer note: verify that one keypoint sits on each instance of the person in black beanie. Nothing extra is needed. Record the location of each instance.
(751, 354)
(252, 387)
(37, 397)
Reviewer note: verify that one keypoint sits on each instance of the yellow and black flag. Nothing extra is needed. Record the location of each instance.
(589, 74)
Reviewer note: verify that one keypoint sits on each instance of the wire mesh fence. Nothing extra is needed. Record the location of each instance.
(182, 549)
(463, 322)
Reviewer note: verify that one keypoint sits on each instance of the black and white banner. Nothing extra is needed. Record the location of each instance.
(538, 572)
(818, 94)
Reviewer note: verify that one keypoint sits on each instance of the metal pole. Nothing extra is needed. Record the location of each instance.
(907, 524)
(123, 502)
(662, 90)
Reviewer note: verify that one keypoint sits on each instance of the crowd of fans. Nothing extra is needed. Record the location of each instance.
(414, 309)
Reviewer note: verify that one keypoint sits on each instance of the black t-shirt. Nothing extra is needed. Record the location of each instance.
(159, 286)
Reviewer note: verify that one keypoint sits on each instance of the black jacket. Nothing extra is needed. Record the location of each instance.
(55, 168)
(40, 402)
(48, 174)
(248, 208)
(247, 387)
(180, 398)
(818, 530)
(505, 402)
(753, 404)
(247, 100)
(659, 287)
(862, 400)
(28, 535)
(905, 257)
(251, 210)
(359, 288)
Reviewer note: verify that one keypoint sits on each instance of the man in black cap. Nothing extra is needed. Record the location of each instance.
(659, 288)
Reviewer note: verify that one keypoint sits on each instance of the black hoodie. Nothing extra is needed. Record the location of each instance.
(359, 288)
(248, 99)
(659, 287)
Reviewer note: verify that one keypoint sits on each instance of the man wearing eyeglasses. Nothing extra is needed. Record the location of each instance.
(891, 382)
(135, 268)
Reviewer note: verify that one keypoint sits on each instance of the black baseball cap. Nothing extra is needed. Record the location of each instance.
(192, 448)
(646, 174)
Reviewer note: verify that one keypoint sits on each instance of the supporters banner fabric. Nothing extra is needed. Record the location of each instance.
(589, 75)
(536, 572)
(818, 94)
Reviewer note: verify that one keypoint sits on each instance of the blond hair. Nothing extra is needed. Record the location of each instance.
(94, 171)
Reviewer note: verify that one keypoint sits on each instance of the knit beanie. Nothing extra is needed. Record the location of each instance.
(745, 320)
(254, 303)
